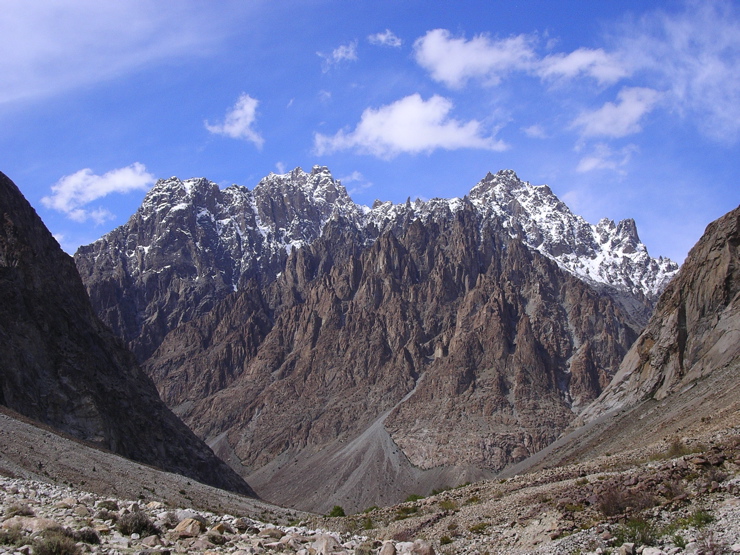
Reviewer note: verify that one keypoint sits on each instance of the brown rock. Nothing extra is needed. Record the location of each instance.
(189, 528)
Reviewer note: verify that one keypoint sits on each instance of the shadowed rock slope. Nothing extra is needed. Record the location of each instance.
(61, 366)
(362, 375)
(682, 375)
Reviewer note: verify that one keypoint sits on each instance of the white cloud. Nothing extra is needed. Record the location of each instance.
(359, 181)
(605, 68)
(343, 53)
(280, 167)
(386, 38)
(455, 60)
(72, 193)
(604, 158)
(410, 125)
(57, 45)
(621, 119)
(535, 132)
(239, 121)
(694, 55)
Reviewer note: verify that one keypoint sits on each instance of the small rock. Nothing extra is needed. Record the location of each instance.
(653, 551)
(271, 533)
(422, 547)
(81, 510)
(151, 541)
(324, 544)
(388, 548)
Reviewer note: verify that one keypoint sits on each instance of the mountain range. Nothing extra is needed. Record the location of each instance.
(383, 360)
(413, 345)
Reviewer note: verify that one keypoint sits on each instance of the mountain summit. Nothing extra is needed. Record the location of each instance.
(190, 244)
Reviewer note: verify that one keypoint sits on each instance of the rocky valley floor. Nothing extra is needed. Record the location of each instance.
(680, 496)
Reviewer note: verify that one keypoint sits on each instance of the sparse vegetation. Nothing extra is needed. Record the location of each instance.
(19, 510)
(478, 528)
(413, 497)
(615, 501)
(406, 512)
(447, 505)
(636, 530)
(13, 536)
(336, 511)
(445, 540)
(136, 523)
(55, 542)
(108, 505)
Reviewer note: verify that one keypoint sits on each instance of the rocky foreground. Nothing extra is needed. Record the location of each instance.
(684, 497)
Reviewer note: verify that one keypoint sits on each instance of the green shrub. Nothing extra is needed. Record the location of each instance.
(405, 512)
(636, 530)
(367, 523)
(336, 511)
(699, 518)
(447, 505)
(413, 497)
(478, 528)
(444, 540)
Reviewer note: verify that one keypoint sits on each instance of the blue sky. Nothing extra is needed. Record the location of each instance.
(626, 109)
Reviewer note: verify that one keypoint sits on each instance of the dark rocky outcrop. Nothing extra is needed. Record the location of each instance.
(61, 366)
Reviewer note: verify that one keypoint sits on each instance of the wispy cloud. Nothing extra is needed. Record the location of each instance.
(72, 193)
(239, 121)
(453, 61)
(344, 53)
(604, 158)
(620, 119)
(56, 45)
(410, 125)
(535, 131)
(605, 68)
(694, 55)
(386, 38)
(358, 181)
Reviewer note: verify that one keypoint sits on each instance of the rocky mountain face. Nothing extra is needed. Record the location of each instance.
(191, 244)
(62, 366)
(352, 355)
(695, 330)
(679, 380)
(451, 345)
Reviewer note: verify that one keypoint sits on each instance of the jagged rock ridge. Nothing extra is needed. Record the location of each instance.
(191, 244)
(63, 367)
(449, 350)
